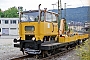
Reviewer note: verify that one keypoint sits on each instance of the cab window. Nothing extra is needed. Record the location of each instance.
(48, 17)
(54, 18)
(42, 16)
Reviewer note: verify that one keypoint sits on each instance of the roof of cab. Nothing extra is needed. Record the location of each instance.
(37, 11)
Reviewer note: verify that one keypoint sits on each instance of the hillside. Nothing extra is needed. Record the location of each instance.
(79, 14)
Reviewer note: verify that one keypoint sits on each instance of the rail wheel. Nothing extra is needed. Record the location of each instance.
(36, 56)
(45, 54)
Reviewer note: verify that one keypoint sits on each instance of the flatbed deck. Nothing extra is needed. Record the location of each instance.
(51, 46)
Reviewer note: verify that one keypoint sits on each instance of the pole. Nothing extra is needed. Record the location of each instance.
(59, 13)
(58, 16)
(53, 5)
(60, 10)
(20, 9)
(65, 11)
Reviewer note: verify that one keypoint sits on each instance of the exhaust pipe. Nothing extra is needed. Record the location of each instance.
(39, 13)
(45, 9)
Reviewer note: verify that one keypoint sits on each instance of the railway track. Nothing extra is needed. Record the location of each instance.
(28, 57)
(23, 57)
(58, 54)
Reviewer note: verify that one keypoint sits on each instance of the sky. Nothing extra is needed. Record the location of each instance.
(33, 4)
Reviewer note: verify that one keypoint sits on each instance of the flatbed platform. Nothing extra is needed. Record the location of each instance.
(51, 46)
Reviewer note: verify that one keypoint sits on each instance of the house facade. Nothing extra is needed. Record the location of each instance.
(87, 24)
(77, 26)
(9, 26)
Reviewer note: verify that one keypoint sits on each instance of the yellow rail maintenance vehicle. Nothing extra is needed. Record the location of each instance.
(39, 33)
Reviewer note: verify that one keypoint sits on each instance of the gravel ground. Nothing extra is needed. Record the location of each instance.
(7, 51)
(72, 55)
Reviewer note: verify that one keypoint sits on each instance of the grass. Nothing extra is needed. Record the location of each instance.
(84, 51)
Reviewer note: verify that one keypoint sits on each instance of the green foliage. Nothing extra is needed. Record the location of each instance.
(58, 23)
(10, 13)
(66, 27)
(1, 13)
(84, 51)
(89, 29)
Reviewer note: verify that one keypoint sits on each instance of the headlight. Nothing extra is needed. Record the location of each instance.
(29, 28)
(33, 38)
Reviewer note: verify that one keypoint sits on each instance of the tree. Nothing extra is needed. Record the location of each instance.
(11, 13)
(1, 13)
(66, 26)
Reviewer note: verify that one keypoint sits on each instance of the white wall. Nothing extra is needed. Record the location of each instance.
(13, 28)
